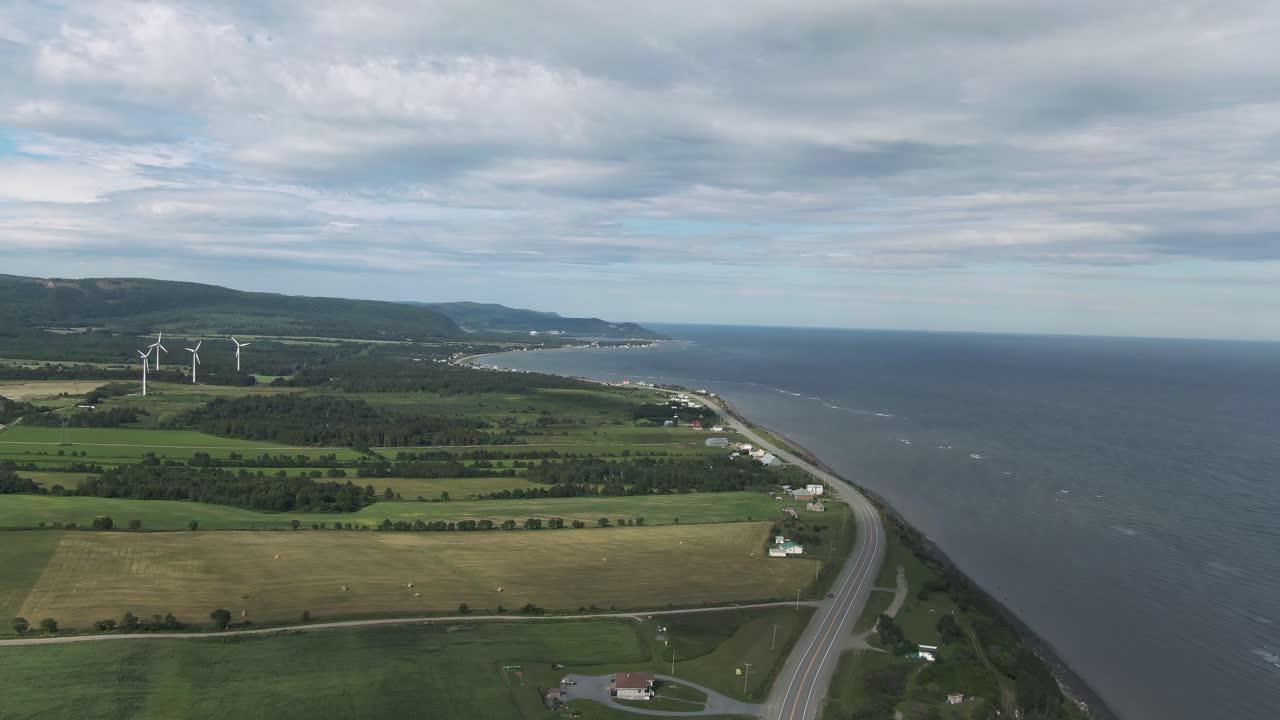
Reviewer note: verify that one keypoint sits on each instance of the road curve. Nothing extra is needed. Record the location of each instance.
(313, 627)
(803, 681)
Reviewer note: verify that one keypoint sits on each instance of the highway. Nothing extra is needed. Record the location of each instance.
(803, 681)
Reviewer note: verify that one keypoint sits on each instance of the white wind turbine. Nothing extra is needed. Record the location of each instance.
(238, 346)
(144, 356)
(158, 347)
(195, 360)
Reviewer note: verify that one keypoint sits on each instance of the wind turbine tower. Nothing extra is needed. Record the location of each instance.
(158, 347)
(195, 360)
(145, 356)
(238, 346)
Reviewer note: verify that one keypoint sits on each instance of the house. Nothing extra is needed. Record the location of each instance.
(632, 686)
(802, 496)
(815, 489)
(697, 424)
(770, 460)
(717, 442)
(815, 506)
(668, 423)
(927, 653)
(789, 547)
(955, 698)
(553, 698)
(717, 428)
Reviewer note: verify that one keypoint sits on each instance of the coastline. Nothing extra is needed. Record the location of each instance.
(1073, 686)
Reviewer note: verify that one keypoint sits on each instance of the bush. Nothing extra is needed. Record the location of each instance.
(49, 625)
(21, 625)
(221, 617)
(105, 625)
(103, 523)
(193, 525)
(135, 524)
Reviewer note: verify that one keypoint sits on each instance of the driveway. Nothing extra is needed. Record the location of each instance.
(596, 687)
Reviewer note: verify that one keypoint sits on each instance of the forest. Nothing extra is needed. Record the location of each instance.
(251, 491)
(386, 372)
(313, 420)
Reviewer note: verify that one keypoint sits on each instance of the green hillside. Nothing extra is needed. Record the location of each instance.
(135, 305)
(500, 318)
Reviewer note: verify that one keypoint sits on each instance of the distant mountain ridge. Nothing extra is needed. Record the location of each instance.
(500, 318)
(139, 305)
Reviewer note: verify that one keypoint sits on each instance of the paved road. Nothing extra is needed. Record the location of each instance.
(596, 687)
(802, 684)
(312, 627)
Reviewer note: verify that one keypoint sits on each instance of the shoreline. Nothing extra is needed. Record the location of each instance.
(1073, 686)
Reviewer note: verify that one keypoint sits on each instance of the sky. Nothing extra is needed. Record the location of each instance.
(1014, 166)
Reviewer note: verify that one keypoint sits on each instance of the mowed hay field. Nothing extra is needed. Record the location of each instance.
(274, 576)
(47, 389)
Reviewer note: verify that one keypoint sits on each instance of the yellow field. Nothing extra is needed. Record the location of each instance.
(47, 388)
(274, 576)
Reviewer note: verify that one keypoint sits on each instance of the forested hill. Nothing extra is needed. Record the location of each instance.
(135, 305)
(494, 317)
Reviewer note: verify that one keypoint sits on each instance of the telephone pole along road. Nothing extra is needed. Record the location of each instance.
(802, 684)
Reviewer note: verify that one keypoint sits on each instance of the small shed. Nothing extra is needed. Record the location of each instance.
(955, 698)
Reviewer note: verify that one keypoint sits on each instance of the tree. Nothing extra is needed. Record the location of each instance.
(129, 621)
(388, 494)
(21, 625)
(105, 625)
(306, 616)
(640, 521)
(464, 609)
(444, 495)
(103, 522)
(49, 625)
(193, 525)
(135, 524)
(295, 524)
(579, 524)
(221, 617)
(949, 630)
(603, 522)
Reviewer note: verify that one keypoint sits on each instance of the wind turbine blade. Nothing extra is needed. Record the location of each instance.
(199, 344)
(190, 350)
(245, 344)
(162, 347)
(197, 357)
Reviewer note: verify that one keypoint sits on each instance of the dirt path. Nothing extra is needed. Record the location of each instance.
(859, 642)
(312, 627)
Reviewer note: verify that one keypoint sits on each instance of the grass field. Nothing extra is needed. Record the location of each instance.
(49, 479)
(458, 488)
(407, 671)
(275, 576)
(417, 671)
(23, 557)
(28, 511)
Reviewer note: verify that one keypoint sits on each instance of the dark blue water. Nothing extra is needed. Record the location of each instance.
(1124, 499)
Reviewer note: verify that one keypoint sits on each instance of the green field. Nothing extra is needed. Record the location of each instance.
(416, 671)
(27, 511)
(275, 576)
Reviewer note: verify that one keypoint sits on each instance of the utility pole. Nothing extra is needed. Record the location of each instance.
(775, 638)
(797, 599)
(746, 675)
(673, 661)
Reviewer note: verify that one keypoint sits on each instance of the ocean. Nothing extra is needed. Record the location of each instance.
(1121, 496)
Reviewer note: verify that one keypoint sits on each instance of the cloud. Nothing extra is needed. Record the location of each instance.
(870, 135)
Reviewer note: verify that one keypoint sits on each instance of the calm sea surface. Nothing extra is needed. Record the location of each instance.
(1122, 496)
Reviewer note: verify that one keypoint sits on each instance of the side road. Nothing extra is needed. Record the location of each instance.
(314, 627)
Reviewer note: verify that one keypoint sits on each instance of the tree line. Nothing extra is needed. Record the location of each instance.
(643, 476)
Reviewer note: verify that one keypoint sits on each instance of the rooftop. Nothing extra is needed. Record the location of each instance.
(636, 680)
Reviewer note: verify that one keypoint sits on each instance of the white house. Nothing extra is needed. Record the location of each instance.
(770, 460)
(783, 547)
(633, 686)
(815, 489)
